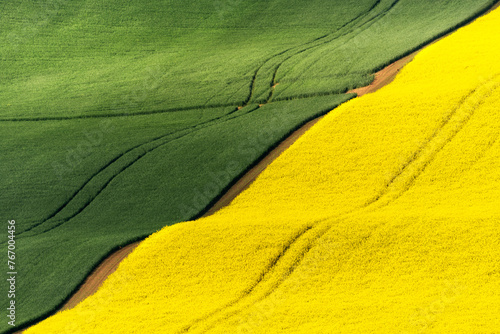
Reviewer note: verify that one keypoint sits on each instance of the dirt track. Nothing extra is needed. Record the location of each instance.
(109, 265)
(99, 275)
(384, 76)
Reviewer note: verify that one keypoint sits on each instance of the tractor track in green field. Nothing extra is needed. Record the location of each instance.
(304, 47)
(363, 26)
(162, 140)
(252, 85)
(153, 112)
(118, 114)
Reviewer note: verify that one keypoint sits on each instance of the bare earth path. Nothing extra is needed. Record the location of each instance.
(99, 275)
(109, 265)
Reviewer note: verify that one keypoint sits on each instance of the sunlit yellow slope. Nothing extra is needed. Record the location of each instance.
(383, 218)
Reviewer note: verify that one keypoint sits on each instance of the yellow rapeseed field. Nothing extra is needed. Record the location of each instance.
(383, 218)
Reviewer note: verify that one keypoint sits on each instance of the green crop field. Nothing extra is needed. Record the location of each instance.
(119, 118)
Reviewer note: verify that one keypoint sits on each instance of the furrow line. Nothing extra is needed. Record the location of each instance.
(110, 163)
(118, 114)
(443, 135)
(126, 166)
(323, 229)
(284, 262)
(300, 51)
(363, 25)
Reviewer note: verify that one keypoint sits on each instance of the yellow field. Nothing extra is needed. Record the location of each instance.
(383, 218)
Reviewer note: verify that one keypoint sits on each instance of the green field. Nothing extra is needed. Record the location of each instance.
(119, 119)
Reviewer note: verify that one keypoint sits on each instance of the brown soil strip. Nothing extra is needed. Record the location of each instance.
(99, 275)
(110, 264)
(384, 76)
(387, 74)
(252, 174)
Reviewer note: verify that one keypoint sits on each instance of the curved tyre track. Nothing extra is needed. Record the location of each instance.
(254, 288)
(89, 191)
(442, 136)
(363, 27)
(117, 114)
(273, 68)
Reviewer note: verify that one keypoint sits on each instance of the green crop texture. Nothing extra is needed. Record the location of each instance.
(119, 118)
